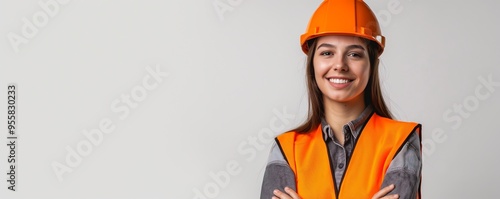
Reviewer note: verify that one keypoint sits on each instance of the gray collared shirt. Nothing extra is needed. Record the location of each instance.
(404, 171)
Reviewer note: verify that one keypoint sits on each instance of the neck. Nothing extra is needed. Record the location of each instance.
(337, 114)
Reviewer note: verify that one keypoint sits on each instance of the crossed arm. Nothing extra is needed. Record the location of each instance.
(402, 179)
(291, 194)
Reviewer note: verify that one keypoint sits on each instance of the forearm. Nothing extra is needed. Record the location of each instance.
(406, 183)
(278, 174)
(405, 170)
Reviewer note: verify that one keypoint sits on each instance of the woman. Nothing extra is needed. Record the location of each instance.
(349, 147)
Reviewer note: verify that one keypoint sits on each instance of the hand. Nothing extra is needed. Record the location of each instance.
(290, 194)
(383, 192)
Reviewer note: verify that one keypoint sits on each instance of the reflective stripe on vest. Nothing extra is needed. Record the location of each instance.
(378, 143)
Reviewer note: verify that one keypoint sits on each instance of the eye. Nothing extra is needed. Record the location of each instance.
(355, 55)
(326, 53)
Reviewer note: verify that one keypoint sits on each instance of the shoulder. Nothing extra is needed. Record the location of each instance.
(295, 135)
(392, 121)
(276, 156)
(380, 121)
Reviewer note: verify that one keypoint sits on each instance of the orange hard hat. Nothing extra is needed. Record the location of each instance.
(343, 17)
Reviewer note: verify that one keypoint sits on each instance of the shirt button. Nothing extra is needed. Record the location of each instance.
(341, 165)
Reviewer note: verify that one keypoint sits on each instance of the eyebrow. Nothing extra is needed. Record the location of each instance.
(348, 47)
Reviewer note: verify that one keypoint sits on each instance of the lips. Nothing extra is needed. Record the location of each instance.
(339, 82)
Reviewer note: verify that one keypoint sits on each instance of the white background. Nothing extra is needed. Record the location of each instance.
(230, 74)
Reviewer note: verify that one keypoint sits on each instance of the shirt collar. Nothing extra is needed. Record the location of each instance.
(354, 125)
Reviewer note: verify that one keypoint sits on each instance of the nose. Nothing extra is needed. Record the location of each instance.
(339, 64)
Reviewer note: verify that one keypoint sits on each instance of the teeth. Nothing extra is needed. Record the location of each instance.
(338, 81)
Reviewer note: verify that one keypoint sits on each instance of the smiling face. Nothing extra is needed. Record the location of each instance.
(341, 68)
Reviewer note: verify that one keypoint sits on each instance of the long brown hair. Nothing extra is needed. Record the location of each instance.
(372, 94)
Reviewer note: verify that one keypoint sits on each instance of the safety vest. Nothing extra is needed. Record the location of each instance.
(378, 143)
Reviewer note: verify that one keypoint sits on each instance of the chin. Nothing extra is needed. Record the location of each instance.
(344, 99)
(339, 99)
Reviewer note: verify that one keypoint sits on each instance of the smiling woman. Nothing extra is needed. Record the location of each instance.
(341, 67)
(349, 146)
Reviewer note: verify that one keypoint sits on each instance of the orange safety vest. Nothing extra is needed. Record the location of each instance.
(378, 143)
